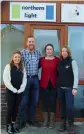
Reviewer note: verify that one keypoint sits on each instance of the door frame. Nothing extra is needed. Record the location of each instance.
(50, 27)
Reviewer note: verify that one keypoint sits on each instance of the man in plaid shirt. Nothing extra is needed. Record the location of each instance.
(30, 58)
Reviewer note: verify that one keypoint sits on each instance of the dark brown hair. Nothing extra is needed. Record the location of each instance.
(12, 63)
(50, 46)
(68, 51)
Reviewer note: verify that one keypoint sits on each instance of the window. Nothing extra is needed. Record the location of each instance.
(12, 39)
(44, 37)
(79, 102)
(76, 43)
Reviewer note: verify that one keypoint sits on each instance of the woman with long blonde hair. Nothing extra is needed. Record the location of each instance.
(14, 77)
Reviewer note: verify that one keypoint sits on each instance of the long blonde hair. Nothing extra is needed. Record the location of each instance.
(20, 64)
(68, 51)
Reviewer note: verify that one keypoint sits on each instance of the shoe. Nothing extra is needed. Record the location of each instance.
(45, 123)
(62, 126)
(71, 129)
(52, 120)
(22, 124)
(15, 128)
(9, 129)
(34, 123)
(30, 122)
(71, 126)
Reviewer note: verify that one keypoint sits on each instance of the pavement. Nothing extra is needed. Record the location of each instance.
(79, 127)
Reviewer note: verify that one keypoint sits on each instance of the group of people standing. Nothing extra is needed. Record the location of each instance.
(59, 77)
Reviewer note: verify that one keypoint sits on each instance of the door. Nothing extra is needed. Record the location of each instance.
(48, 35)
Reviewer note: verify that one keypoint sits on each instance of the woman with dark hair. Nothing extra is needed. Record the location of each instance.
(67, 82)
(14, 77)
(49, 65)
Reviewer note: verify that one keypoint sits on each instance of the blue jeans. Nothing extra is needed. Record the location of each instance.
(33, 81)
(67, 102)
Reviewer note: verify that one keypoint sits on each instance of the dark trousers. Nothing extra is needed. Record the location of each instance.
(49, 96)
(67, 103)
(33, 85)
(13, 101)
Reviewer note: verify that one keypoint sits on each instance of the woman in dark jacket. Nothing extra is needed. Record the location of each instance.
(14, 77)
(67, 83)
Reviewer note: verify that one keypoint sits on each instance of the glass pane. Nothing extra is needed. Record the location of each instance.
(44, 37)
(76, 43)
(12, 39)
(79, 102)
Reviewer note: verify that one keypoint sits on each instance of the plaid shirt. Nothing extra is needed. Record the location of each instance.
(31, 61)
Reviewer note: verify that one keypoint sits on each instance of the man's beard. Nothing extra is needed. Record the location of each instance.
(32, 47)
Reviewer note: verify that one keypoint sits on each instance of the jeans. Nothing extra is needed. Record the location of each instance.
(34, 83)
(67, 103)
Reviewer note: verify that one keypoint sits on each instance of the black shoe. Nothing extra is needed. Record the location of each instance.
(9, 129)
(71, 129)
(22, 124)
(71, 125)
(15, 128)
(62, 127)
(30, 123)
(34, 123)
